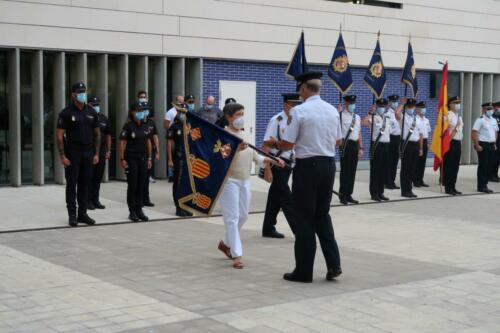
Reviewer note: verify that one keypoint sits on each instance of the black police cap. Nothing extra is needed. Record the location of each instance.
(350, 98)
(411, 102)
(229, 100)
(488, 105)
(496, 104)
(139, 106)
(78, 87)
(393, 98)
(304, 77)
(188, 97)
(381, 102)
(420, 104)
(94, 100)
(291, 97)
(453, 99)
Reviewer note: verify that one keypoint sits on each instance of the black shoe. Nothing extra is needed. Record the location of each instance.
(343, 200)
(390, 187)
(457, 192)
(149, 204)
(495, 179)
(413, 195)
(133, 217)
(182, 213)
(424, 184)
(90, 206)
(292, 277)
(450, 192)
(417, 185)
(140, 214)
(84, 218)
(395, 187)
(273, 234)
(376, 198)
(351, 200)
(333, 273)
(485, 190)
(99, 205)
(408, 195)
(383, 197)
(72, 221)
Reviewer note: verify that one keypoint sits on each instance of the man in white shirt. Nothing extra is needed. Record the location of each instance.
(279, 195)
(393, 152)
(314, 133)
(484, 136)
(451, 160)
(351, 149)
(171, 113)
(425, 130)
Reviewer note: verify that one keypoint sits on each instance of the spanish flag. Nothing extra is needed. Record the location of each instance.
(441, 137)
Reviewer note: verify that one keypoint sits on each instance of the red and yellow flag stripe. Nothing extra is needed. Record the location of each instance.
(441, 136)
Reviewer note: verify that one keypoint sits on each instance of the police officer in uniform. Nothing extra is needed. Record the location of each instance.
(279, 195)
(380, 124)
(78, 141)
(351, 149)
(314, 133)
(425, 130)
(411, 144)
(451, 160)
(393, 153)
(155, 141)
(496, 160)
(175, 149)
(135, 157)
(104, 155)
(484, 136)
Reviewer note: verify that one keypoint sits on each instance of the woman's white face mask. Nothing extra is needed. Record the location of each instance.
(239, 123)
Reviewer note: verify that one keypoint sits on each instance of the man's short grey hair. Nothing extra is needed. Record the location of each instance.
(313, 85)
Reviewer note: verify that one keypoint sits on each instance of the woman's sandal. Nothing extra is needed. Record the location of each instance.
(238, 265)
(225, 249)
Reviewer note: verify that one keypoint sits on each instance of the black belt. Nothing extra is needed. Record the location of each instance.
(315, 159)
(485, 143)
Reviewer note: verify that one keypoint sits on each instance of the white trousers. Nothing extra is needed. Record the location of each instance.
(234, 203)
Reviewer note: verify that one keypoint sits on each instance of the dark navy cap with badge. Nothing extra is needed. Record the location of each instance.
(420, 104)
(307, 76)
(453, 99)
(381, 102)
(350, 98)
(188, 97)
(496, 104)
(487, 105)
(139, 106)
(393, 98)
(93, 100)
(78, 87)
(291, 98)
(411, 102)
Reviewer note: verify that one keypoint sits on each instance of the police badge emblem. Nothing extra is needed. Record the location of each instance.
(413, 71)
(340, 64)
(376, 69)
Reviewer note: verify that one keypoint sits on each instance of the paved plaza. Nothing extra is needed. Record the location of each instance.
(430, 265)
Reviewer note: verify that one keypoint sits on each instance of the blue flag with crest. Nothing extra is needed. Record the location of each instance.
(375, 74)
(207, 155)
(298, 63)
(410, 72)
(339, 70)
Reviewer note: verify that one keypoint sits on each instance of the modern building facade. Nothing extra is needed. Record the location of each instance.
(225, 48)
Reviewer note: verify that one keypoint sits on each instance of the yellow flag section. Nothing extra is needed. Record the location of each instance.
(441, 137)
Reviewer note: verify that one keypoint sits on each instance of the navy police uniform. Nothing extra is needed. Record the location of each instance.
(150, 123)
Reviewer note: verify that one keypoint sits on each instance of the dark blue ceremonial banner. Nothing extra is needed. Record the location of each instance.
(207, 156)
(339, 70)
(375, 74)
(298, 63)
(410, 72)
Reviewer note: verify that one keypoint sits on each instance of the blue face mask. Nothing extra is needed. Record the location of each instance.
(97, 108)
(351, 108)
(424, 111)
(143, 100)
(410, 111)
(210, 106)
(81, 98)
(458, 107)
(146, 113)
(394, 105)
(139, 115)
(489, 113)
(380, 110)
(191, 107)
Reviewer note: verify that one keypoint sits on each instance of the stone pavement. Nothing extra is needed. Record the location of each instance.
(409, 266)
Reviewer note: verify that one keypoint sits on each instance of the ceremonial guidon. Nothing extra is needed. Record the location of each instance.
(484, 135)
(351, 149)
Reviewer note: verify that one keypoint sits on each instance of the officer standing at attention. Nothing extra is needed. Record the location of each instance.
(279, 195)
(314, 133)
(451, 161)
(380, 122)
(425, 129)
(351, 149)
(104, 155)
(393, 152)
(175, 161)
(155, 142)
(78, 141)
(135, 157)
(484, 136)
(411, 145)
(496, 160)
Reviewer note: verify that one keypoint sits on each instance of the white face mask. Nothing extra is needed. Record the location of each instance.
(239, 123)
(143, 100)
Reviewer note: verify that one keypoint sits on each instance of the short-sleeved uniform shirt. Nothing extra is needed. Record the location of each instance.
(411, 123)
(175, 133)
(425, 127)
(455, 122)
(79, 125)
(394, 127)
(170, 115)
(276, 128)
(314, 129)
(487, 129)
(136, 136)
(347, 121)
(381, 124)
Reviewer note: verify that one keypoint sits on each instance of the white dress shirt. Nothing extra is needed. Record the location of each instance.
(411, 122)
(395, 129)
(455, 121)
(381, 123)
(346, 125)
(272, 131)
(487, 129)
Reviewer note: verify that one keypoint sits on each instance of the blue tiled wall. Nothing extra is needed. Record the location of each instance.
(271, 82)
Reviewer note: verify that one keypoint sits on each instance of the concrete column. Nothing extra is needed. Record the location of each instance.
(37, 112)
(160, 102)
(467, 107)
(141, 74)
(59, 97)
(178, 77)
(122, 108)
(81, 68)
(14, 103)
(477, 100)
(487, 88)
(194, 79)
(102, 93)
(496, 88)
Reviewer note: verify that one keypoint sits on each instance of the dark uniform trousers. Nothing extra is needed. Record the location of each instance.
(77, 176)
(408, 164)
(451, 164)
(97, 173)
(279, 197)
(495, 164)
(312, 194)
(136, 172)
(348, 166)
(378, 165)
(485, 158)
(418, 175)
(145, 196)
(393, 157)
(178, 164)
